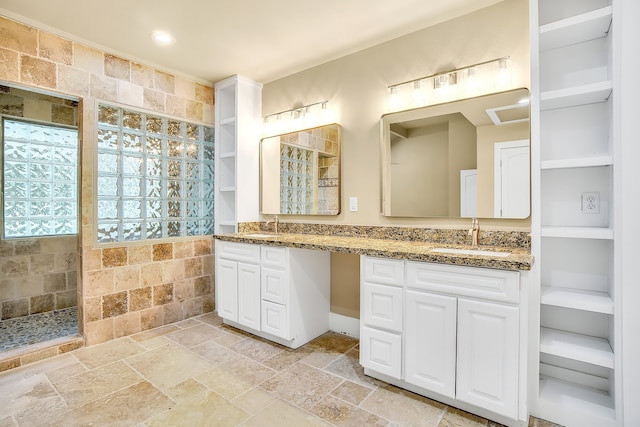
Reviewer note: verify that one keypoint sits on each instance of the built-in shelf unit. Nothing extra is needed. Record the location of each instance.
(572, 78)
(238, 109)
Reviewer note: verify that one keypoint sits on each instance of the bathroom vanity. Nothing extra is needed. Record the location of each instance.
(447, 324)
(278, 293)
(451, 333)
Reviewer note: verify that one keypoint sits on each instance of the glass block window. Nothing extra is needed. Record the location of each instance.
(296, 180)
(40, 179)
(155, 176)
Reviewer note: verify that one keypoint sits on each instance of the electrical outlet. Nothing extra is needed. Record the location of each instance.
(591, 203)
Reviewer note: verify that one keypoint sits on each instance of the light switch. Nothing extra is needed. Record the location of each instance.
(353, 204)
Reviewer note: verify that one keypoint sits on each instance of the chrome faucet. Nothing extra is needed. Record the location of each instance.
(474, 231)
(275, 223)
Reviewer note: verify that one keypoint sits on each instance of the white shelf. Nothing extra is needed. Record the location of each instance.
(227, 222)
(583, 162)
(577, 95)
(578, 232)
(583, 348)
(228, 155)
(569, 401)
(597, 302)
(228, 121)
(227, 189)
(577, 29)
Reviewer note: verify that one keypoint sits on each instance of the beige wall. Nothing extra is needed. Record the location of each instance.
(355, 86)
(130, 287)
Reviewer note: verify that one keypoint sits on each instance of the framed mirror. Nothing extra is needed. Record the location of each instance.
(300, 172)
(468, 158)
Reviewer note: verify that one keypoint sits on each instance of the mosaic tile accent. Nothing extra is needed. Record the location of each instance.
(27, 330)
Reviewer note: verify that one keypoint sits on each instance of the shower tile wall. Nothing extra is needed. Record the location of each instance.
(38, 275)
(117, 297)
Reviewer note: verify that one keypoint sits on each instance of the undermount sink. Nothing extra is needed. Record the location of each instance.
(259, 235)
(470, 252)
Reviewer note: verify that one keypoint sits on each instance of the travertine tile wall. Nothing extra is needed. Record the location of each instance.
(37, 275)
(127, 288)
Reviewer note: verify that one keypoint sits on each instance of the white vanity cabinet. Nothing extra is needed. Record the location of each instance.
(278, 293)
(457, 338)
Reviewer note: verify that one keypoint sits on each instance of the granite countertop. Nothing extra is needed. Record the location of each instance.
(518, 259)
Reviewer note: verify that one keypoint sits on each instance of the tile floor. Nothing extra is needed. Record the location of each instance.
(201, 373)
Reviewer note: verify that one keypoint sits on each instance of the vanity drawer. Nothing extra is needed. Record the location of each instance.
(382, 306)
(496, 285)
(274, 285)
(382, 270)
(238, 251)
(274, 256)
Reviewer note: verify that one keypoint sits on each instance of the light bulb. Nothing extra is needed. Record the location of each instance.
(419, 96)
(394, 99)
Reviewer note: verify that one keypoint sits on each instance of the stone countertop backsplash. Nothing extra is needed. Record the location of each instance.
(395, 242)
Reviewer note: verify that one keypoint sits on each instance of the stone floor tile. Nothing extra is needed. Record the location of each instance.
(281, 414)
(403, 407)
(224, 383)
(214, 353)
(65, 372)
(210, 409)
(153, 333)
(194, 335)
(254, 400)
(257, 349)
(351, 392)
(211, 319)
(96, 383)
(7, 422)
(168, 365)
(27, 392)
(332, 342)
(128, 406)
(343, 414)
(186, 391)
(108, 352)
(348, 366)
(236, 377)
(286, 358)
(301, 385)
(458, 418)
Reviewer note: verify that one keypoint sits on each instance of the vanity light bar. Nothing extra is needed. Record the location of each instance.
(296, 119)
(447, 85)
(296, 113)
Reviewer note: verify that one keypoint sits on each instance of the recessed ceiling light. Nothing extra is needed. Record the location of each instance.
(162, 38)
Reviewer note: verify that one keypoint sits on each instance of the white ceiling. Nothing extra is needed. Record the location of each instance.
(260, 39)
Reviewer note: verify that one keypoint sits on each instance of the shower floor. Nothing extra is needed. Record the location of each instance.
(37, 328)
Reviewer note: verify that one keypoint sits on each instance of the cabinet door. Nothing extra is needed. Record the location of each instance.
(430, 342)
(382, 306)
(381, 351)
(275, 320)
(249, 295)
(275, 285)
(488, 356)
(227, 289)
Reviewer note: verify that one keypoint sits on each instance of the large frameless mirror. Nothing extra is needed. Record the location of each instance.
(468, 158)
